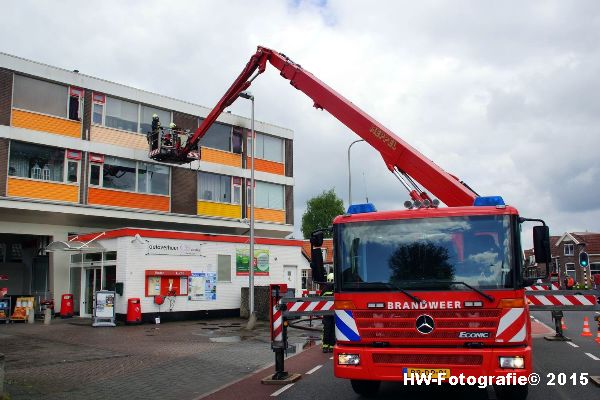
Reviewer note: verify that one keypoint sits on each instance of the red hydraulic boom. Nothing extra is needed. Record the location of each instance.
(401, 159)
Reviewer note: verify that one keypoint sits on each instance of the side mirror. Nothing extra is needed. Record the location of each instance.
(541, 244)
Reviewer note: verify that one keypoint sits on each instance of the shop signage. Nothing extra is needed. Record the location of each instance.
(260, 262)
(158, 247)
(202, 286)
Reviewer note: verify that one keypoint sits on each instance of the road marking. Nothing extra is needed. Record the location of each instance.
(314, 369)
(331, 358)
(593, 357)
(572, 344)
(283, 389)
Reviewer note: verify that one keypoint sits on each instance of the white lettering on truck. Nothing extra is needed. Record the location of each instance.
(442, 305)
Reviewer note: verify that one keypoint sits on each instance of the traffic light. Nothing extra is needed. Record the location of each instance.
(584, 259)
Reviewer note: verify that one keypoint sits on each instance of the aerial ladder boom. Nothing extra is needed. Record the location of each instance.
(407, 163)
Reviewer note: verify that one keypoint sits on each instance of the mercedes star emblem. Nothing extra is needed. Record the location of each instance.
(425, 324)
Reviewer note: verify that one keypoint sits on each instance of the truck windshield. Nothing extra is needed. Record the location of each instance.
(426, 254)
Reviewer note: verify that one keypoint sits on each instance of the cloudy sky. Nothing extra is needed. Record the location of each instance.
(504, 95)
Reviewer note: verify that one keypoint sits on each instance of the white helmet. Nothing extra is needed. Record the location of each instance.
(172, 125)
(330, 277)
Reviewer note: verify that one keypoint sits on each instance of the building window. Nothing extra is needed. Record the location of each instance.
(269, 195)
(570, 269)
(146, 118)
(213, 187)
(304, 279)
(40, 96)
(153, 178)
(223, 268)
(121, 114)
(36, 162)
(237, 140)
(217, 137)
(98, 101)
(267, 147)
(75, 103)
(595, 268)
(569, 249)
(118, 173)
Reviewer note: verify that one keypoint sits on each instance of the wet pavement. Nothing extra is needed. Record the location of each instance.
(179, 360)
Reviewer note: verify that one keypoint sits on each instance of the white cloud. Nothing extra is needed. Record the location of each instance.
(501, 94)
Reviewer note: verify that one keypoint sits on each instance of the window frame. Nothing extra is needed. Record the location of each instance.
(570, 246)
(262, 156)
(74, 157)
(269, 183)
(234, 188)
(100, 185)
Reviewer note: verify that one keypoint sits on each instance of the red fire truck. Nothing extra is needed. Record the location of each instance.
(425, 290)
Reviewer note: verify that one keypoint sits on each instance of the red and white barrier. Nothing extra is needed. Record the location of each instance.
(552, 286)
(307, 306)
(277, 324)
(561, 300)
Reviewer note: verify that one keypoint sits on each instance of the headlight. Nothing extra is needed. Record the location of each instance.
(512, 362)
(348, 359)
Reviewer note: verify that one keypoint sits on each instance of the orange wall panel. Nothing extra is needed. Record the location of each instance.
(43, 190)
(271, 167)
(116, 198)
(268, 215)
(221, 157)
(46, 123)
(118, 138)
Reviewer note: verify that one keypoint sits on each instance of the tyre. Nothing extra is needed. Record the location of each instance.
(365, 388)
(512, 392)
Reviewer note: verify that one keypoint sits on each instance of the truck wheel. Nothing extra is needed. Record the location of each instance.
(365, 388)
(512, 392)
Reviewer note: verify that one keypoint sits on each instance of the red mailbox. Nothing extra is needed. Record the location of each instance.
(66, 306)
(134, 311)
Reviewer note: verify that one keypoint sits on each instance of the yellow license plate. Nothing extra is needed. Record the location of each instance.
(434, 372)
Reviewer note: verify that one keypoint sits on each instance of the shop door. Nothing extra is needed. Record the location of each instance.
(92, 281)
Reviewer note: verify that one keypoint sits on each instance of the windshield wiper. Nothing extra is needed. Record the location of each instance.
(487, 296)
(392, 286)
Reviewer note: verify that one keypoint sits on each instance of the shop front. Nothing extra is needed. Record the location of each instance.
(180, 275)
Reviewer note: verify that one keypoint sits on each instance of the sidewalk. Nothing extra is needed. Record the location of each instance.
(181, 360)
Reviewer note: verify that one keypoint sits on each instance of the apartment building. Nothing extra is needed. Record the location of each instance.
(73, 160)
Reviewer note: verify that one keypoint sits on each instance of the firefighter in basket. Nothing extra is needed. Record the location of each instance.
(328, 339)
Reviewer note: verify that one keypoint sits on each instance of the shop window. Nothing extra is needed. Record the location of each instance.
(153, 178)
(110, 256)
(267, 147)
(16, 252)
(217, 137)
(76, 258)
(40, 96)
(91, 257)
(109, 277)
(146, 118)
(213, 187)
(268, 195)
(121, 114)
(223, 268)
(36, 162)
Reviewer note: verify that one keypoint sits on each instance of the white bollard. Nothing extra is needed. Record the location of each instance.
(47, 316)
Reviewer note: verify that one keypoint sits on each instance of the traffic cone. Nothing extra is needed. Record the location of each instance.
(586, 327)
(598, 336)
(562, 324)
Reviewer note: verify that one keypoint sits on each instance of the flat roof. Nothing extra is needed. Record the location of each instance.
(178, 235)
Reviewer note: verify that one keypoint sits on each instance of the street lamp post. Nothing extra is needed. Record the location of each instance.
(350, 174)
(252, 315)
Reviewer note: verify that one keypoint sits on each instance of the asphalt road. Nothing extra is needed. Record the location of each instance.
(550, 360)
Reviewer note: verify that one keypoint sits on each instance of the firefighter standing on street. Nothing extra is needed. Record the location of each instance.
(328, 339)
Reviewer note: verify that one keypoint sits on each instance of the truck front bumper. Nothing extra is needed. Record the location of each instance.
(390, 364)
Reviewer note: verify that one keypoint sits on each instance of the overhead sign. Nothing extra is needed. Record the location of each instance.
(260, 262)
(160, 247)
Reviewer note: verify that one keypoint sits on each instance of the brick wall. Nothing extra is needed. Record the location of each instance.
(289, 205)
(3, 165)
(6, 84)
(289, 158)
(184, 191)
(87, 115)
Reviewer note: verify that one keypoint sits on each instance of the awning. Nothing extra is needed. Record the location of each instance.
(74, 245)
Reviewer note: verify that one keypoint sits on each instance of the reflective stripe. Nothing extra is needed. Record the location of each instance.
(508, 319)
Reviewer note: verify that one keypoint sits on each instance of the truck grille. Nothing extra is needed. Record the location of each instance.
(428, 359)
(400, 324)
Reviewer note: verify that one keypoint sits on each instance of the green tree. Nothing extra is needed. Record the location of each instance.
(320, 212)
